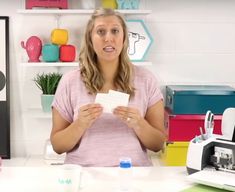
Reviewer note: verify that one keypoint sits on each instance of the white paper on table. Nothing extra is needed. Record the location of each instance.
(111, 100)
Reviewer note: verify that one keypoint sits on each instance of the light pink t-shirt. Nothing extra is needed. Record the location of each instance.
(108, 138)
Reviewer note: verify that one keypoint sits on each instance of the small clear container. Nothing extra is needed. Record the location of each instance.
(125, 174)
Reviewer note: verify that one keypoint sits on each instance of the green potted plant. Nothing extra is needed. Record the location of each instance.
(47, 83)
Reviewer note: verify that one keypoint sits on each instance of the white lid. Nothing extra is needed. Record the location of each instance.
(228, 123)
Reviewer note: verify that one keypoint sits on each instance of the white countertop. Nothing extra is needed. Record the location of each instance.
(44, 179)
(38, 175)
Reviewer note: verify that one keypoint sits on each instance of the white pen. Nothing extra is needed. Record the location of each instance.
(206, 119)
(202, 135)
(209, 124)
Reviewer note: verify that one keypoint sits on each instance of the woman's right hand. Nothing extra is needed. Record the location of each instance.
(87, 114)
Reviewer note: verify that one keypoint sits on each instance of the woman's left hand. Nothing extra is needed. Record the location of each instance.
(130, 116)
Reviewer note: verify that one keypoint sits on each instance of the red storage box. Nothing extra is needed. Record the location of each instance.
(62, 4)
(186, 127)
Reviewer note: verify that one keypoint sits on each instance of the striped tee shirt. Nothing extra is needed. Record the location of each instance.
(108, 138)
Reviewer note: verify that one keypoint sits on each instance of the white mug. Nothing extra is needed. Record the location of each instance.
(69, 178)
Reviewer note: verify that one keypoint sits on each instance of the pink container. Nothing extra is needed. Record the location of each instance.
(186, 127)
(62, 4)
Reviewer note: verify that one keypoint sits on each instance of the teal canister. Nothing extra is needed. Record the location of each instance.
(50, 53)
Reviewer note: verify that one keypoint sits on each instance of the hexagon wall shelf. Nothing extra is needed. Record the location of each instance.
(140, 40)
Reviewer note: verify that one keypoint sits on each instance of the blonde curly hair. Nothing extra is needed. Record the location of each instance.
(90, 72)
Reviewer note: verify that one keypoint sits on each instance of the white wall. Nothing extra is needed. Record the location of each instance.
(194, 42)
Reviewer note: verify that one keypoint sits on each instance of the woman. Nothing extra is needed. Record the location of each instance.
(81, 128)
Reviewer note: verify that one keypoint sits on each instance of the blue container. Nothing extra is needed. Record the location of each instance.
(198, 99)
(50, 53)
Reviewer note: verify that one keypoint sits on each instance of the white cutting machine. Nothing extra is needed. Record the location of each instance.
(211, 161)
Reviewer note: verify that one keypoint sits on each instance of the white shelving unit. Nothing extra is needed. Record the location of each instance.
(70, 64)
(78, 11)
(50, 64)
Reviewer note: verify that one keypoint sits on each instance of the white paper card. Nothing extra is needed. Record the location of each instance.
(111, 100)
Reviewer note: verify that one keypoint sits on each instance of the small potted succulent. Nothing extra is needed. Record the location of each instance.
(47, 83)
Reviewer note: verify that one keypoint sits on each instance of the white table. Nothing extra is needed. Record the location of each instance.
(44, 179)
